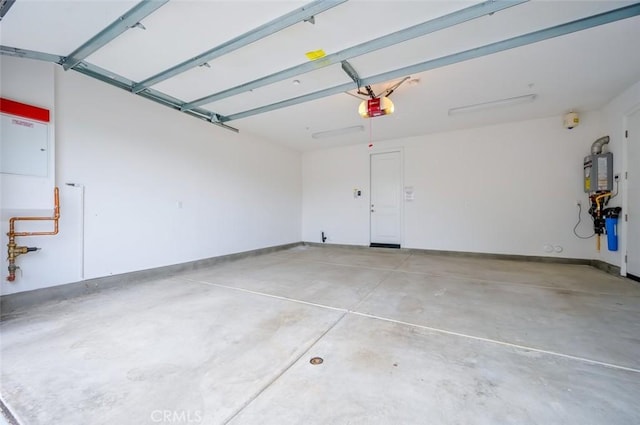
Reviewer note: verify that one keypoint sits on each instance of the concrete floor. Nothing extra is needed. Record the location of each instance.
(405, 338)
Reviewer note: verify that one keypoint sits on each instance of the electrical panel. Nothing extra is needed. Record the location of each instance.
(598, 172)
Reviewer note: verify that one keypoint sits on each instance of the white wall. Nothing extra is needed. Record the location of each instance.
(33, 195)
(329, 177)
(507, 189)
(137, 163)
(615, 114)
(503, 189)
(32, 82)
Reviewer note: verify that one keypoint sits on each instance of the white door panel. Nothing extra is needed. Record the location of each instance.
(386, 195)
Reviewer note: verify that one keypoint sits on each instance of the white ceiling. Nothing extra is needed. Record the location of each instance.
(580, 71)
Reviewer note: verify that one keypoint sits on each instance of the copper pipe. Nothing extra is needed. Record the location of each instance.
(13, 250)
(598, 197)
(56, 216)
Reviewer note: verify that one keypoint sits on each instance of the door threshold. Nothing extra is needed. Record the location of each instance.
(384, 245)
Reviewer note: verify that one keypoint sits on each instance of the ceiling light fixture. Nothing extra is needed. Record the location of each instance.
(338, 132)
(376, 107)
(511, 101)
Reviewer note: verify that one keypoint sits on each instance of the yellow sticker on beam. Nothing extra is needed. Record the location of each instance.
(315, 54)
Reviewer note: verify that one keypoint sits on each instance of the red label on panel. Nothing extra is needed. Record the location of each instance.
(23, 110)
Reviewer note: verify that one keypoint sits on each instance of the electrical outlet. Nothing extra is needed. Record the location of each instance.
(616, 177)
(578, 203)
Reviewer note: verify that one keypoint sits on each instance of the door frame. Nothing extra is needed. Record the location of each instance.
(375, 151)
(625, 189)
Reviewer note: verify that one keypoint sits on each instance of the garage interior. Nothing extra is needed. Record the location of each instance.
(325, 212)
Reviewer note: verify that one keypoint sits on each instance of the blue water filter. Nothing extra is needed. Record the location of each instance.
(612, 233)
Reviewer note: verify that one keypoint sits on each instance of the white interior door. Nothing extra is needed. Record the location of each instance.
(386, 196)
(633, 191)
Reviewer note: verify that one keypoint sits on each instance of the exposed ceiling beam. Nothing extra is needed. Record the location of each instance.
(117, 27)
(164, 99)
(519, 41)
(30, 54)
(5, 5)
(119, 81)
(442, 22)
(103, 75)
(302, 14)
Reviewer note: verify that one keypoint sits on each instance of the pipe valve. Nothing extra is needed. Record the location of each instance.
(13, 250)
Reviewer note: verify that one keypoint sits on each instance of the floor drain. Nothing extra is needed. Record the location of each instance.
(316, 360)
